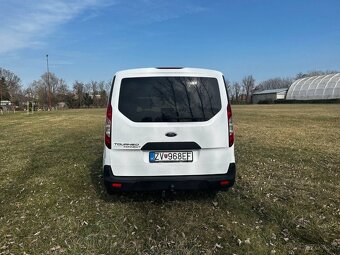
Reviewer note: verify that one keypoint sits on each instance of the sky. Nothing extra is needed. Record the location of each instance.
(92, 39)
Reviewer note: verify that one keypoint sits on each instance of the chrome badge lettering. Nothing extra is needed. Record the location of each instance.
(128, 145)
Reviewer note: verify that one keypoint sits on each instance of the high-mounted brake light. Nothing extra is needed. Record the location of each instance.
(108, 126)
(230, 126)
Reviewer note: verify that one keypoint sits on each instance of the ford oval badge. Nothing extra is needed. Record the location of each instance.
(170, 134)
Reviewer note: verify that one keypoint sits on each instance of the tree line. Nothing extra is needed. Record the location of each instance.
(50, 91)
(10, 86)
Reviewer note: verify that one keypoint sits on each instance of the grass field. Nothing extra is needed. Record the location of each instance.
(286, 199)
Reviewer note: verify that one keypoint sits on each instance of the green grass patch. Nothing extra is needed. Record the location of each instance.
(285, 201)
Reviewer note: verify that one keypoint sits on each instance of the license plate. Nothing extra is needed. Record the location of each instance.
(170, 156)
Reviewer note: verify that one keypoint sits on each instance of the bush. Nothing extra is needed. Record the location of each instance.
(319, 101)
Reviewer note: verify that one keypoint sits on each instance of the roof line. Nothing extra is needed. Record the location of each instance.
(323, 94)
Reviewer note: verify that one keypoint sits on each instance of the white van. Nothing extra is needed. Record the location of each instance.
(168, 128)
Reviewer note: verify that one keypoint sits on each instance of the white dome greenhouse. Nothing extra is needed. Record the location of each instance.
(315, 88)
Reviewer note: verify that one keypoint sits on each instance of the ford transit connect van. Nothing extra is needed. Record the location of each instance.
(168, 129)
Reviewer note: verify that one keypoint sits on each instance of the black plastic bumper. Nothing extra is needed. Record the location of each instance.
(178, 182)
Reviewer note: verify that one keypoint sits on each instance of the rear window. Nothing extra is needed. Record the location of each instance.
(169, 99)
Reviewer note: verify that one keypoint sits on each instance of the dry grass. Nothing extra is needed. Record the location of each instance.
(286, 200)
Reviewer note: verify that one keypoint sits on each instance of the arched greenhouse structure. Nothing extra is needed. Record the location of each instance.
(315, 88)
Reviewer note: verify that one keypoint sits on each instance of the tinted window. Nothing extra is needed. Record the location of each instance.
(169, 99)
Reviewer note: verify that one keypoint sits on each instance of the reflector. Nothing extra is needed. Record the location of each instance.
(224, 182)
(116, 185)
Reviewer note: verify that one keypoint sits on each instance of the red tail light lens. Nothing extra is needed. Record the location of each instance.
(108, 126)
(224, 182)
(116, 185)
(230, 126)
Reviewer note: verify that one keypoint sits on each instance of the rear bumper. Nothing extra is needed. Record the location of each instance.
(178, 182)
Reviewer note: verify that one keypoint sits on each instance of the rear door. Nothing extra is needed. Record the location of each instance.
(170, 125)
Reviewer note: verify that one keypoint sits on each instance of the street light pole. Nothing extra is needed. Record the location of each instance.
(1, 80)
(48, 84)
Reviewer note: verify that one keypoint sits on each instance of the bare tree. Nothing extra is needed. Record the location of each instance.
(275, 83)
(227, 85)
(236, 91)
(4, 93)
(229, 89)
(103, 93)
(50, 81)
(61, 91)
(37, 90)
(314, 73)
(11, 82)
(248, 84)
(95, 93)
(107, 86)
(94, 87)
(88, 88)
(62, 87)
(79, 92)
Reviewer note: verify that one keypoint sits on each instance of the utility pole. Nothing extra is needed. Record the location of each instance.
(1, 80)
(48, 85)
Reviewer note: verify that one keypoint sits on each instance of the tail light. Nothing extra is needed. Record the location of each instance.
(230, 126)
(116, 185)
(224, 182)
(108, 126)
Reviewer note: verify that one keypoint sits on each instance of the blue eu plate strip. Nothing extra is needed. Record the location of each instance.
(151, 156)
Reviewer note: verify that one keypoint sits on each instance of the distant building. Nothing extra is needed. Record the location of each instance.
(269, 95)
(315, 88)
(61, 105)
(98, 96)
(5, 103)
